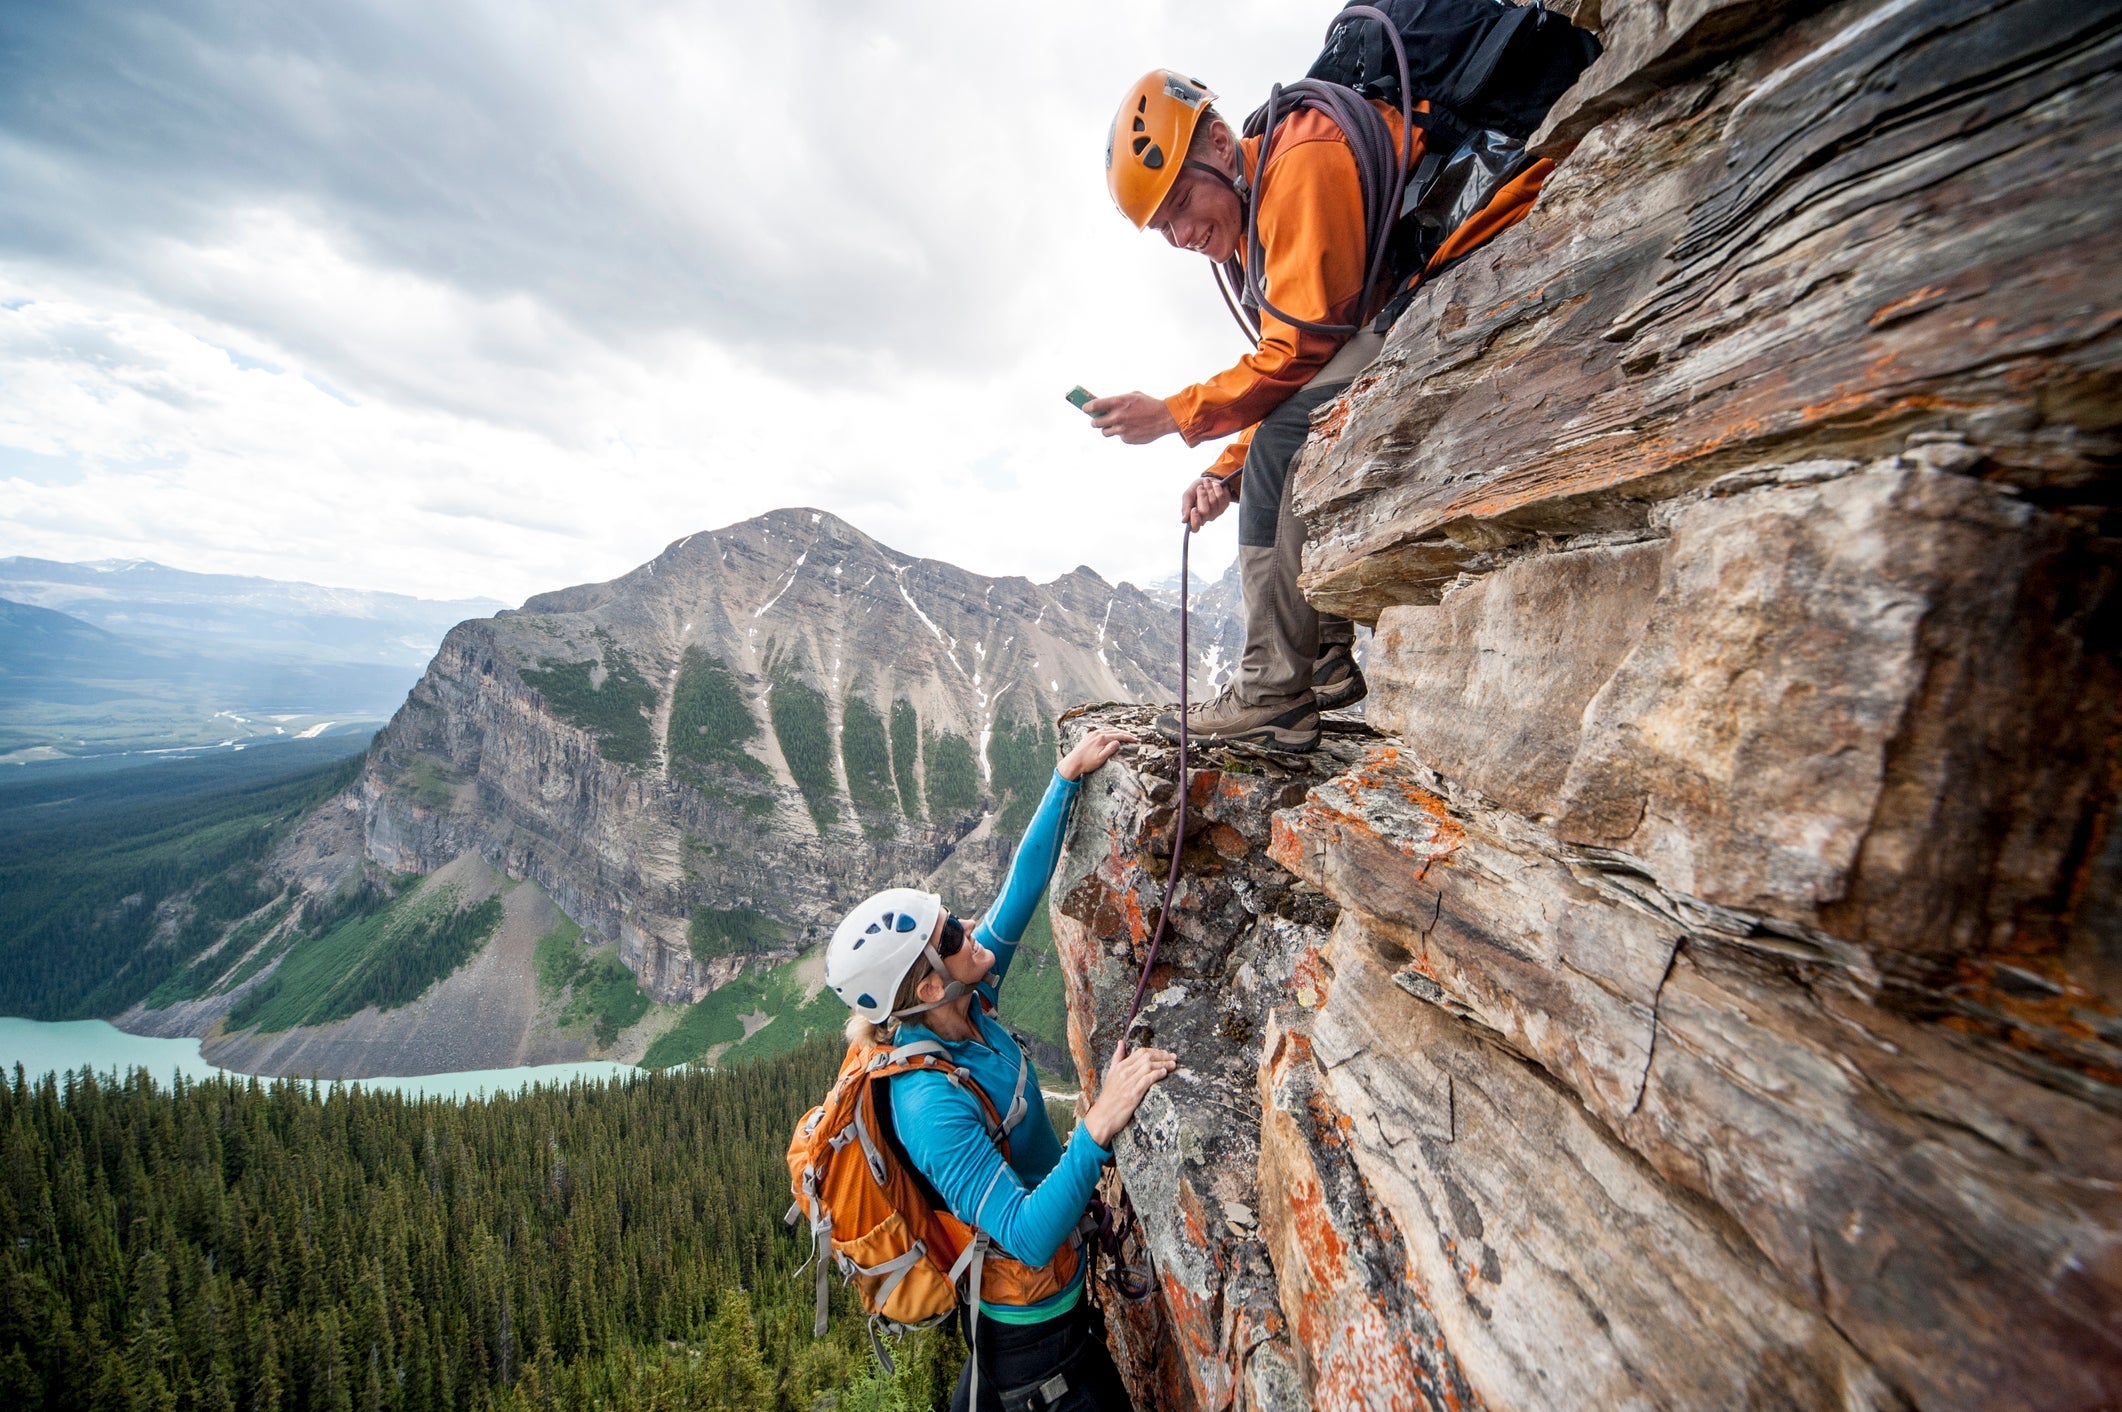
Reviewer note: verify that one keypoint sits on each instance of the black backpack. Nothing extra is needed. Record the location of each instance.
(1490, 71)
(1486, 63)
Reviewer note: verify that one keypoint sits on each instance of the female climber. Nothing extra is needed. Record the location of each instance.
(910, 970)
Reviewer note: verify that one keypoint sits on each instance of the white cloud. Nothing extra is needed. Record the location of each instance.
(495, 299)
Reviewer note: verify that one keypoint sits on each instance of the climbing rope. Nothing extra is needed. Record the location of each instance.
(1171, 882)
(1134, 1282)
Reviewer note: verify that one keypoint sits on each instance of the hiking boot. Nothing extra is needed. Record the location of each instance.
(1336, 679)
(1227, 720)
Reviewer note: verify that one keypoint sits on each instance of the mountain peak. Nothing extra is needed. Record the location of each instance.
(785, 695)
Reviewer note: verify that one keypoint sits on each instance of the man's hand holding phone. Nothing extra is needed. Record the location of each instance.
(1135, 417)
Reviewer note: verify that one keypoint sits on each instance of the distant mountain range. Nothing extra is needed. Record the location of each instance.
(237, 616)
(126, 654)
(700, 764)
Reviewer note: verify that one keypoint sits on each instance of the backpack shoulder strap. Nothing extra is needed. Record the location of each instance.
(1481, 64)
(1017, 1105)
(927, 1056)
(1381, 172)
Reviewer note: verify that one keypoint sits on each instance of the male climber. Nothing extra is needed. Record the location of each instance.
(1174, 166)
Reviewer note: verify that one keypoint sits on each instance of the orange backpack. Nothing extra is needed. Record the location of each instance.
(871, 1214)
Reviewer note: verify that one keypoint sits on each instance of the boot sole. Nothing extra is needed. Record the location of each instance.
(1341, 694)
(1284, 739)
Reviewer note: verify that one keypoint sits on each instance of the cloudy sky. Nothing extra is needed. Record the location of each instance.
(485, 298)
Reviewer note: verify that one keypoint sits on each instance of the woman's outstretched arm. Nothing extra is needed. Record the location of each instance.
(1033, 867)
(1003, 926)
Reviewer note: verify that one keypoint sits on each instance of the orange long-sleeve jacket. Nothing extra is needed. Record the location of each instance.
(1312, 242)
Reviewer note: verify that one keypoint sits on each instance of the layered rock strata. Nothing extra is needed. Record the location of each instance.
(1705, 989)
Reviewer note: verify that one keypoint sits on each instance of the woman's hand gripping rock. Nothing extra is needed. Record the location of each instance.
(1092, 751)
(1127, 1082)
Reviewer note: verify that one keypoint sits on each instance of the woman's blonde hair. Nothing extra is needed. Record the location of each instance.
(861, 1030)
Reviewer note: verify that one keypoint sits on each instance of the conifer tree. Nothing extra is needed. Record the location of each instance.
(736, 1372)
(265, 1371)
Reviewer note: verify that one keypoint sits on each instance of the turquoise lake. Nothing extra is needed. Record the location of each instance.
(47, 1046)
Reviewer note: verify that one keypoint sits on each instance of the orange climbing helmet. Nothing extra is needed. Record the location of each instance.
(1147, 145)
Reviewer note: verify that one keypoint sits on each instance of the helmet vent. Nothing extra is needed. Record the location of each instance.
(1141, 126)
(907, 923)
(1142, 104)
(1154, 158)
(866, 1000)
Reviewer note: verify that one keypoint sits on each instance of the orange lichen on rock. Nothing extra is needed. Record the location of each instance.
(1342, 1279)
(2030, 1001)
(1286, 845)
(1214, 1334)
(1310, 978)
(1377, 799)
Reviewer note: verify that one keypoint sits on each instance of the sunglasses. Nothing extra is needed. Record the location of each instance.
(953, 939)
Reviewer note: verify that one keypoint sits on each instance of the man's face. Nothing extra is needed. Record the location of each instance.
(1201, 214)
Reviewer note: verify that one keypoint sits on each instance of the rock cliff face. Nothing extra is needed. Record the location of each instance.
(1703, 990)
(755, 728)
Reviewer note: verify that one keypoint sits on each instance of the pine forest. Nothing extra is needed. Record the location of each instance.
(247, 1246)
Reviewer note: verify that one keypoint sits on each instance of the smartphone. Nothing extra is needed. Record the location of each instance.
(1079, 395)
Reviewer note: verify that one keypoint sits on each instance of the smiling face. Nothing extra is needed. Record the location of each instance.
(969, 964)
(1201, 213)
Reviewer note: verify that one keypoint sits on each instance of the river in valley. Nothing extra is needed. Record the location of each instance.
(46, 1046)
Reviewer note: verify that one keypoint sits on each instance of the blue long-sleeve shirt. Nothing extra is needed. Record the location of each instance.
(1028, 1205)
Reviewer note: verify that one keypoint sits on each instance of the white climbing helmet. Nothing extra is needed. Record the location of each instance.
(877, 944)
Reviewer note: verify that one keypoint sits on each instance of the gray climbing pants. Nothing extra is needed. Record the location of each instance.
(1283, 635)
